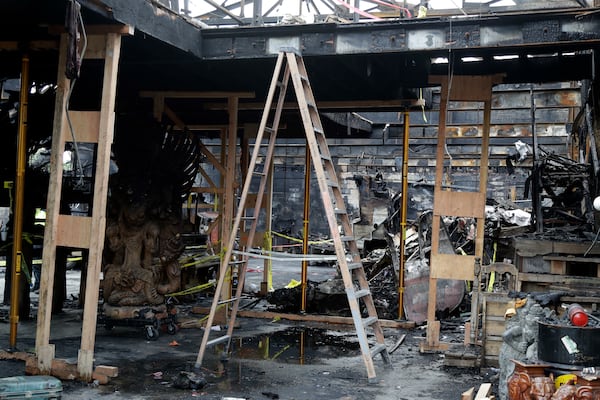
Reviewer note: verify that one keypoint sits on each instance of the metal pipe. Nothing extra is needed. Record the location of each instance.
(19, 195)
(403, 215)
(305, 227)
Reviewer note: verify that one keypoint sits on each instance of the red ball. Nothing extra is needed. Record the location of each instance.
(579, 319)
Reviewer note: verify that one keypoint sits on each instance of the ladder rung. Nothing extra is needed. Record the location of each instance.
(332, 184)
(311, 104)
(354, 265)
(357, 294)
(347, 238)
(258, 173)
(369, 321)
(303, 77)
(318, 130)
(236, 262)
(231, 300)
(325, 158)
(218, 340)
(248, 218)
(268, 129)
(377, 349)
(339, 210)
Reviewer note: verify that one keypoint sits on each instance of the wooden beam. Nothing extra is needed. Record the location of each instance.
(43, 348)
(85, 360)
(353, 105)
(213, 160)
(13, 45)
(100, 29)
(329, 319)
(197, 95)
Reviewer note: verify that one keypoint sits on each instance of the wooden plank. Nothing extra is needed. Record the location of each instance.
(468, 87)
(573, 259)
(99, 29)
(459, 204)
(86, 125)
(43, 349)
(211, 158)
(96, 47)
(198, 95)
(98, 224)
(13, 45)
(558, 267)
(330, 319)
(452, 266)
(468, 394)
(73, 231)
(484, 390)
(562, 279)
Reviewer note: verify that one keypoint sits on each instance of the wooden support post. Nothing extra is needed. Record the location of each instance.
(43, 348)
(459, 204)
(98, 228)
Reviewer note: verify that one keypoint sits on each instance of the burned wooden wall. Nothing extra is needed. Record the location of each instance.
(360, 159)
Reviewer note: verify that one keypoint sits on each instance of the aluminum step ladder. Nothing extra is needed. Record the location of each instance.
(291, 65)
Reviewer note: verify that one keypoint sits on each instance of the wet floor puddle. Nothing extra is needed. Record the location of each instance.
(297, 345)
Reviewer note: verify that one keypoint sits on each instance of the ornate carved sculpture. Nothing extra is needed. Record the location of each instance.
(542, 388)
(143, 235)
(519, 343)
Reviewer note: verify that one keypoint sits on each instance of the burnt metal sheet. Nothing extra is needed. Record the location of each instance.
(254, 46)
(352, 43)
(465, 36)
(426, 39)
(321, 43)
(218, 48)
(388, 40)
(541, 31)
(275, 44)
(496, 35)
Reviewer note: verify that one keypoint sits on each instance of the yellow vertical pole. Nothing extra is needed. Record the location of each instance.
(304, 278)
(19, 197)
(403, 214)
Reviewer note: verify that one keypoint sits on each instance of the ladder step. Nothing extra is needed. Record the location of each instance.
(369, 321)
(332, 184)
(326, 158)
(231, 300)
(357, 294)
(378, 349)
(354, 265)
(269, 129)
(218, 340)
(339, 210)
(318, 130)
(258, 173)
(303, 77)
(248, 218)
(347, 238)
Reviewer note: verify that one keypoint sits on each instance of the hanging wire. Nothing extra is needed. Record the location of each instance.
(71, 86)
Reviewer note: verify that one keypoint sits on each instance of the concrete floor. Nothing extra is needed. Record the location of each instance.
(269, 359)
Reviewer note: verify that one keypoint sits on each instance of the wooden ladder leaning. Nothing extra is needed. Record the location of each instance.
(353, 274)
